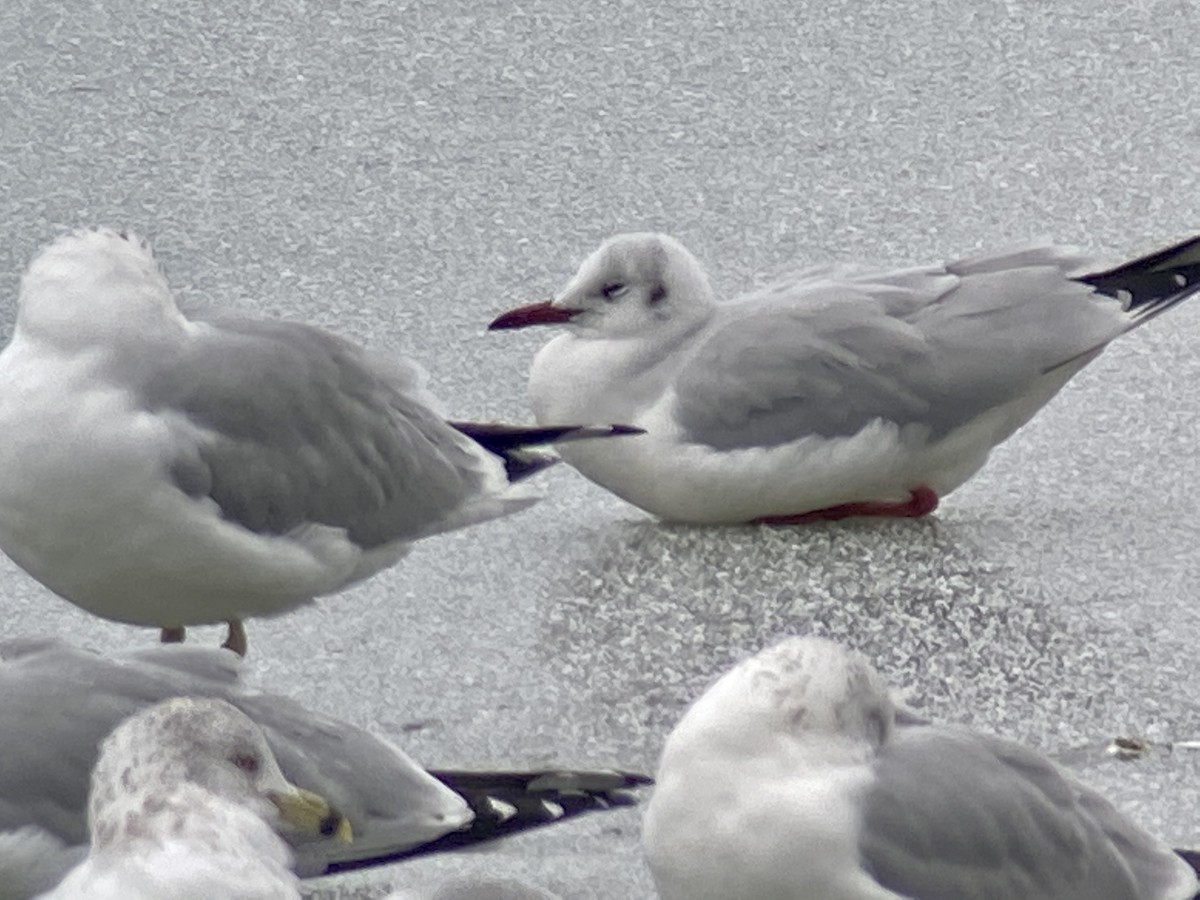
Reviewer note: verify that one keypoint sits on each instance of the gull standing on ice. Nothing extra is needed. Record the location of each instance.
(185, 801)
(794, 778)
(167, 472)
(838, 391)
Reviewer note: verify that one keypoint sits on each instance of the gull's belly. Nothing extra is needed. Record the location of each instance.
(667, 473)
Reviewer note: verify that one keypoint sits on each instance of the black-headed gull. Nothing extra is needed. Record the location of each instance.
(168, 472)
(837, 391)
(185, 801)
(60, 697)
(794, 778)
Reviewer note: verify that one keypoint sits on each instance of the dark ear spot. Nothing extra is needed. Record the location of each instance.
(658, 294)
(247, 762)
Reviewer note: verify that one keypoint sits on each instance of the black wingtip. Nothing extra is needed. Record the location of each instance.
(512, 442)
(507, 803)
(520, 464)
(626, 429)
(1151, 284)
(498, 437)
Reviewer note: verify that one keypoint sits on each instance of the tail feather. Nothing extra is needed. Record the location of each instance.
(507, 803)
(512, 442)
(1152, 284)
(498, 437)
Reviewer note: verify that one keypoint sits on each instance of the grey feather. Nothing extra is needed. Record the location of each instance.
(58, 702)
(328, 435)
(827, 351)
(955, 815)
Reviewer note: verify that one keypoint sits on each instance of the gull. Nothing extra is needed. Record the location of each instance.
(185, 801)
(58, 702)
(794, 777)
(164, 471)
(835, 391)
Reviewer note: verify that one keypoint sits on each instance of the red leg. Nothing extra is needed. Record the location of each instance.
(921, 500)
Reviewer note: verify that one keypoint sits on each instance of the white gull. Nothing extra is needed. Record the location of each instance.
(793, 777)
(835, 391)
(186, 800)
(163, 471)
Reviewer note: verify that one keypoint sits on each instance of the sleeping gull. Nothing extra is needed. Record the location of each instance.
(836, 391)
(793, 777)
(56, 696)
(185, 801)
(162, 471)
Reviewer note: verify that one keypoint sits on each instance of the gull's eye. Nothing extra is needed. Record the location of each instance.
(612, 290)
(247, 762)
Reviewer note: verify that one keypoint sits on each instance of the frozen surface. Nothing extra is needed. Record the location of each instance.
(400, 172)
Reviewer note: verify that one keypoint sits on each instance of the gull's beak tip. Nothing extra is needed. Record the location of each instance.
(310, 815)
(343, 831)
(544, 313)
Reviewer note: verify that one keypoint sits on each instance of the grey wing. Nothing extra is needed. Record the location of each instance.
(829, 351)
(960, 816)
(56, 704)
(67, 700)
(299, 426)
(391, 801)
(787, 370)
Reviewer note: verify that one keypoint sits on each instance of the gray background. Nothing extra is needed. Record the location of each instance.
(400, 172)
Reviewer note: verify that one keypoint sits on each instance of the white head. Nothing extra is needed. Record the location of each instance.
(208, 747)
(634, 284)
(90, 286)
(806, 690)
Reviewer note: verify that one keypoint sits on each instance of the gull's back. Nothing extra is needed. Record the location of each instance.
(956, 815)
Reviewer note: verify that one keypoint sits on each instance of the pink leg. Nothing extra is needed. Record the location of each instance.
(235, 639)
(921, 500)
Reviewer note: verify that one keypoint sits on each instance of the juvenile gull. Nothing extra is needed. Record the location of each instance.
(794, 777)
(57, 703)
(168, 472)
(185, 801)
(836, 391)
